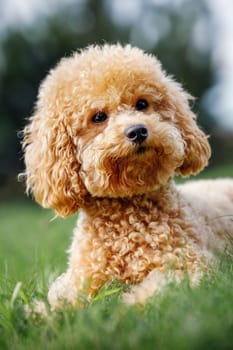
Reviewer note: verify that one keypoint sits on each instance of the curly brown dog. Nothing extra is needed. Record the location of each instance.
(109, 132)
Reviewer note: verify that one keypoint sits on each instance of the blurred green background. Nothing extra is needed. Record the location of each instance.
(187, 36)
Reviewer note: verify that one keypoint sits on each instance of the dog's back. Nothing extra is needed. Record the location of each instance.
(212, 199)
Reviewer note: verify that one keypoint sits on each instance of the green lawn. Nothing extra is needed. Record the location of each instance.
(32, 252)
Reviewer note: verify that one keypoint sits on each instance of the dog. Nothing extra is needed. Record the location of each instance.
(109, 132)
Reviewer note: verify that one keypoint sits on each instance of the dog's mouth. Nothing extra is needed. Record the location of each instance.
(141, 150)
(148, 150)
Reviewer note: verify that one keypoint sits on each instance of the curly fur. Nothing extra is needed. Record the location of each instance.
(134, 223)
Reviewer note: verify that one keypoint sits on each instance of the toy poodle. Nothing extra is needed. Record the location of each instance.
(109, 132)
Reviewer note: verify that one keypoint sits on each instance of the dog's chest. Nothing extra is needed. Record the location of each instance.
(128, 241)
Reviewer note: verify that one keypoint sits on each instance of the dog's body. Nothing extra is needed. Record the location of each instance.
(109, 133)
(127, 239)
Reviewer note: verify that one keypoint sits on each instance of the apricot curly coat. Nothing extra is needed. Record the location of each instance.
(134, 224)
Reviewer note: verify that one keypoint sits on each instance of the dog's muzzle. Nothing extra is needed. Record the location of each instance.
(137, 133)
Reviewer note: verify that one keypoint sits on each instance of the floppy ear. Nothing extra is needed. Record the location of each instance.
(197, 148)
(52, 169)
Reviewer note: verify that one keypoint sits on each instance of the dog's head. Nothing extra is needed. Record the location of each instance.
(109, 123)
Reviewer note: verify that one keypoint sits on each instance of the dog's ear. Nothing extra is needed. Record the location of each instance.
(197, 148)
(52, 169)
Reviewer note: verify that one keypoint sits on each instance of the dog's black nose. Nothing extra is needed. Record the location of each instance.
(137, 133)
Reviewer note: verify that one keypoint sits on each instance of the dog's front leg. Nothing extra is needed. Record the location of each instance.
(64, 291)
(156, 282)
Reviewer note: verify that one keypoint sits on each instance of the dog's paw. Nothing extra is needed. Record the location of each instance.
(37, 310)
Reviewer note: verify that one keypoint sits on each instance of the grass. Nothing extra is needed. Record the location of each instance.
(32, 253)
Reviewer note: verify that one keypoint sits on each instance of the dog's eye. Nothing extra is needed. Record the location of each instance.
(99, 117)
(141, 105)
